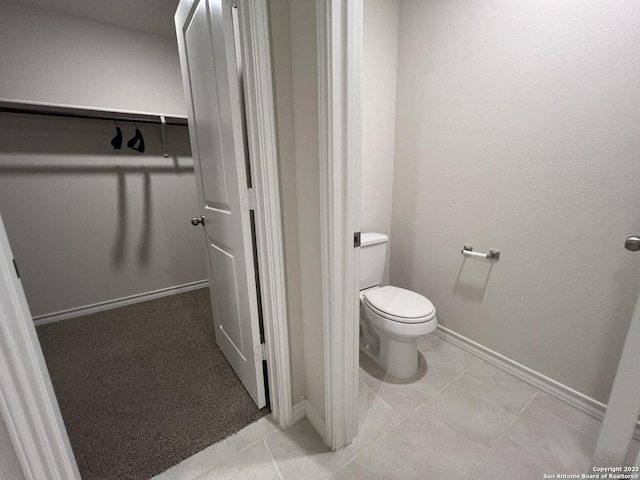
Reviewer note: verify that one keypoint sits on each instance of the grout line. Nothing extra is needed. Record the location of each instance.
(273, 460)
(430, 397)
(507, 429)
(414, 472)
(356, 455)
(217, 465)
(456, 377)
(563, 420)
(393, 450)
(402, 419)
(226, 448)
(471, 373)
(418, 408)
(248, 446)
(442, 354)
(382, 400)
(496, 405)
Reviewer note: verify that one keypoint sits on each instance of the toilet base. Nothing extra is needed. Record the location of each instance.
(397, 358)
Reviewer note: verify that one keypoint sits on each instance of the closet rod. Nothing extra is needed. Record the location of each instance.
(34, 108)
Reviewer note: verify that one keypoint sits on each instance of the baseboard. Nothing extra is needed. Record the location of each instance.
(118, 302)
(317, 422)
(299, 412)
(566, 394)
(304, 409)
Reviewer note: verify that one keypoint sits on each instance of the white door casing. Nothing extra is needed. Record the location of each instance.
(27, 402)
(209, 70)
(623, 407)
(339, 24)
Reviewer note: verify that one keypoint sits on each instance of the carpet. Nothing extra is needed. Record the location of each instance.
(145, 386)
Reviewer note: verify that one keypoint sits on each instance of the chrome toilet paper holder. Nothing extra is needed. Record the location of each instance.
(493, 255)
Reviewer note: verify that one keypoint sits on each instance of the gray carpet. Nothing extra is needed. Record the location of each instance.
(143, 387)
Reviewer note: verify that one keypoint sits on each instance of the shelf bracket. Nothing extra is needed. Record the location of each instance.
(163, 131)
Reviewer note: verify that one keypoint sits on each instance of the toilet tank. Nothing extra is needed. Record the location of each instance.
(373, 256)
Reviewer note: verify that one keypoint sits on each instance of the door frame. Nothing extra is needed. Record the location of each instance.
(28, 403)
(621, 415)
(339, 51)
(263, 158)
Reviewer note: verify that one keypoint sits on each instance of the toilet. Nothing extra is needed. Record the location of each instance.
(393, 321)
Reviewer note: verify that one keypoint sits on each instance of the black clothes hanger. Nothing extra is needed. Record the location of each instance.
(116, 142)
(137, 138)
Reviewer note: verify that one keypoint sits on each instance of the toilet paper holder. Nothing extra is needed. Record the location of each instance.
(493, 255)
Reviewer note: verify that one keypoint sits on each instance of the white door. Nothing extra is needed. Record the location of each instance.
(210, 76)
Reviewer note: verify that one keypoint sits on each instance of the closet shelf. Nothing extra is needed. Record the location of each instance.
(71, 111)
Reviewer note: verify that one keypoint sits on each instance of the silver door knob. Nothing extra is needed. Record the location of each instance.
(195, 221)
(632, 243)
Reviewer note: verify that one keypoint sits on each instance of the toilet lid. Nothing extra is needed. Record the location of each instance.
(399, 302)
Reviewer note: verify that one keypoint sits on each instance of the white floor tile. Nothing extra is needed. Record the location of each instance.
(469, 414)
(250, 434)
(196, 464)
(437, 344)
(378, 462)
(439, 425)
(253, 463)
(375, 418)
(433, 449)
(510, 461)
(300, 453)
(404, 396)
(494, 384)
(543, 436)
(500, 387)
(583, 422)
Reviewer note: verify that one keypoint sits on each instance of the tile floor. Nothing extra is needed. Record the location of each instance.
(461, 419)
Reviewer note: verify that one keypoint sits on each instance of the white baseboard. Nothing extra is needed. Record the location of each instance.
(118, 302)
(566, 394)
(299, 412)
(304, 409)
(317, 422)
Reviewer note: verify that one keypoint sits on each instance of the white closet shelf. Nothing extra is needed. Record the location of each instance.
(73, 111)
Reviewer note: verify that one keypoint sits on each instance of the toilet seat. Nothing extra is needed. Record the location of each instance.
(401, 331)
(399, 305)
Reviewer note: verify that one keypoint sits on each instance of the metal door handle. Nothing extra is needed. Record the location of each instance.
(195, 221)
(632, 243)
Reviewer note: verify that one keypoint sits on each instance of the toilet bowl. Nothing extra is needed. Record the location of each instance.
(393, 321)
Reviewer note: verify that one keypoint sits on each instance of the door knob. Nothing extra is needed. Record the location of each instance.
(632, 243)
(195, 221)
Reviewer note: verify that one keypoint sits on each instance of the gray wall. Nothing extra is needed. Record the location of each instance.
(58, 58)
(517, 129)
(305, 116)
(283, 97)
(379, 74)
(87, 223)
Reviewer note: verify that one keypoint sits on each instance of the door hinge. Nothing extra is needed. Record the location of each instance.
(248, 199)
(356, 240)
(261, 353)
(15, 265)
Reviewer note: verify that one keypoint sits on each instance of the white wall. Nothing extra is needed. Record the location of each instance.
(83, 226)
(52, 57)
(517, 129)
(379, 74)
(305, 115)
(283, 97)
(9, 466)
